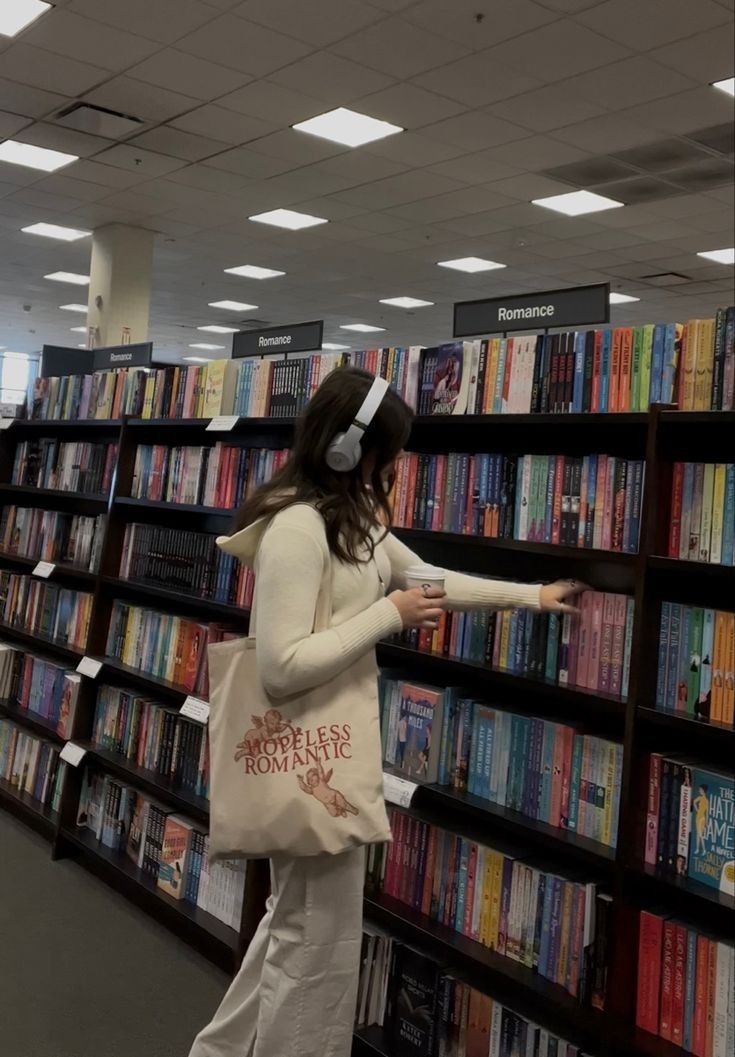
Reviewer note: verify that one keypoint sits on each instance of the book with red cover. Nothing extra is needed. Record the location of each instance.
(677, 1003)
(667, 980)
(650, 949)
(677, 491)
(699, 1028)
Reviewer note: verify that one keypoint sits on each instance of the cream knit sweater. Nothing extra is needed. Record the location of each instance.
(290, 560)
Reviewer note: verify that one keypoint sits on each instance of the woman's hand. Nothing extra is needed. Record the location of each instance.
(553, 597)
(418, 610)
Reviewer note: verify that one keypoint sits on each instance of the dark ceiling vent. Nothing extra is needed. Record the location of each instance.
(98, 121)
(254, 324)
(666, 279)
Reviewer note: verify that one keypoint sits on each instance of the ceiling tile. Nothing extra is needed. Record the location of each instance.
(180, 72)
(528, 186)
(164, 20)
(297, 147)
(242, 45)
(54, 73)
(33, 197)
(224, 125)
(138, 160)
(395, 47)
(64, 139)
(30, 102)
(11, 123)
(65, 33)
(457, 19)
(179, 144)
(330, 208)
(627, 83)
(59, 184)
(480, 224)
(248, 163)
(318, 22)
(379, 223)
(106, 175)
(208, 179)
(267, 101)
(359, 167)
(136, 99)
(608, 132)
(556, 51)
(569, 7)
(546, 108)
(643, 26)
(476, 168)
(706, 56)
(686, 112)
(408, 105)
(474, 129)
(452, 204)
(537, 152)
(406, 187)
(476, 81)
(328, 77)
(413, 149)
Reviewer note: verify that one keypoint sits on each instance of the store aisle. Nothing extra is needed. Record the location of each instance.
(82, 972)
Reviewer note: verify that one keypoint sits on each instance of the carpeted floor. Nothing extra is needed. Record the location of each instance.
(83, 973)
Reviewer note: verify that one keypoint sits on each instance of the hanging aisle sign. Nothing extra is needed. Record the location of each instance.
(291, 337)
(138, 355)
(575, 306)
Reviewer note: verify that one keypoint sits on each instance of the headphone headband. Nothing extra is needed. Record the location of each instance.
(344, 452)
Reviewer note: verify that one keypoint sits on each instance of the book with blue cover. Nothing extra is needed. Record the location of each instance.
(712, 837)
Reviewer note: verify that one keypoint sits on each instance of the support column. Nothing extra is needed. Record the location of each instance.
(120, 284)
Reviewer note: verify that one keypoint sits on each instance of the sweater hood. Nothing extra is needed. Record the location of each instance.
(244, 544)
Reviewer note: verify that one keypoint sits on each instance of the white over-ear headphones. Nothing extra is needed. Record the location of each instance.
(345, 451)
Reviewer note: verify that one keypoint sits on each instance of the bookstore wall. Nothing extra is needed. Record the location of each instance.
(562, 875)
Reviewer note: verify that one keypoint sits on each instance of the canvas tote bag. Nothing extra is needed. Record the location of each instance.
(295, 776)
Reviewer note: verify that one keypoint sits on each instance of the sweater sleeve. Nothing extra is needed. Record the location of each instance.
(463, 591)
(292, 657)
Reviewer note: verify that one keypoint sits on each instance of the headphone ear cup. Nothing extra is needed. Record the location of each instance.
(340, 458)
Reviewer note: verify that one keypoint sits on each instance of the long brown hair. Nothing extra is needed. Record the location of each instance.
(352, 507)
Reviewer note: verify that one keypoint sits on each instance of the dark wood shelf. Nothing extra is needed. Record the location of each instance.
(370, 1042)
(38, 816)
(53, 494)
(463, 539)
(686, 419)
(38, 643)
(243, 425)
(693, 735)
(144, 680)
(196, 807)
(61, 572)
(686, 889)
(207, 933)
(220, 611)
(178, 508)
(625, 418)
(49, 425)
(45, 728)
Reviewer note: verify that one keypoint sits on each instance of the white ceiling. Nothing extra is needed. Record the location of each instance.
(490, 107)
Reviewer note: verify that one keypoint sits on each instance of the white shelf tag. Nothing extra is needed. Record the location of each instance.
(398, 790)
(6, 423)
(195, 708)
(44, 569)
(90, 667)
(222, 423)
(72, 754)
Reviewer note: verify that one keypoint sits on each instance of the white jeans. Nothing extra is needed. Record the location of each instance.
(296, 990)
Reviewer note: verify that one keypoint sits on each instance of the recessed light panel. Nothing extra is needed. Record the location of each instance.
(78, 330)
(621, 299)
(253, 271)
(15, 15)
(288, 218)
(575, 203)
(68, 277)
(197, 359)
(405, 302)
(719, 256)
(204, 345)
(214, 328)
(233, 306)
(471, 264)
(15, 153)
(333, 346)
(74, 308)
(55, 231)
(363, 328)
(347, 127)
(728, 85)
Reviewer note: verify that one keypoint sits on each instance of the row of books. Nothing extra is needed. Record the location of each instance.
(166, 646)
(586, 501)
(587, 652)
(686, 985)
(66, 466)
(548, 771)
(48, 535)
(185, 561)
(690, 821)
(424, 1011)
(54, 612)
(166, 847)
(696, 662)
(546, 921)
(153, 736)
(39, 686)
(706, 377)
(216, 476)
(702, 526)
(31, 765)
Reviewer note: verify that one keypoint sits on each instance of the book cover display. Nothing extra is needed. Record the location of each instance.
(712, 847)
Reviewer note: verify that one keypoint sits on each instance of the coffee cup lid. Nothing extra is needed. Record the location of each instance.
(425, 572)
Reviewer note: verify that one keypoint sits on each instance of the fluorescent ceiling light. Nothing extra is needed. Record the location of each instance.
(405, 302)
(197, 359)
(621, 299)
(214, 328)
(347, 127)
(74, 308)
(68, 277)
(15, 153)
(471, 264)
(204, 345)
(233, 306)
(333, 346)
(575, 203)
(78, 330)
(15, 15)
(728, 85)
(364, 328)
(83, 346)
(719, 256)
(55, 231)
(253, 271)
(288, 218)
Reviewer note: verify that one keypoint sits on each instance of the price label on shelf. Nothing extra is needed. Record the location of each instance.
(398, 790)
(222, 423)
(90, 667)
(195, 708)
(72, 754)
(44, 569)
(6, 423)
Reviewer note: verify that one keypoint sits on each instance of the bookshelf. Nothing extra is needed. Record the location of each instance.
(658, 437)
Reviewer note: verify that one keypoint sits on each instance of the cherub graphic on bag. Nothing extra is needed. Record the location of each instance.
(271, 725)
(317, 785)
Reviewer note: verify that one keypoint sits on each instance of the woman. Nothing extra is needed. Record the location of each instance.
(295, 993)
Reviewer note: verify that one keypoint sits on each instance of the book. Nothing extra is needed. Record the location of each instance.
(711, 857)
(175, 848)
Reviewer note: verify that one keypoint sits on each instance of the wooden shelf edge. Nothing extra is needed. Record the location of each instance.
(38, 816)
(523, 546)
(37, 643)
(70, 572)
(223, 610)
(369, 1042)
(135, 676)
(196, 807)
(683, 889)
(45, 728)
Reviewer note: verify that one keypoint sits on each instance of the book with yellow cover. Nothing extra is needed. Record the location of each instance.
(174, 855)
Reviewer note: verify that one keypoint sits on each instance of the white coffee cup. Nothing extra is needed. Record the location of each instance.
(425, 576)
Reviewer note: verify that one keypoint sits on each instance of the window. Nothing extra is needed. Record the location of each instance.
(14, 377)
